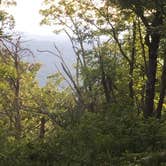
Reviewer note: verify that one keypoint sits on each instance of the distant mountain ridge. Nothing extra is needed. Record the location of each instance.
(48, 61)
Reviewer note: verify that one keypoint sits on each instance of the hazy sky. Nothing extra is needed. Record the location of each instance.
(27, 17)
(27, 20)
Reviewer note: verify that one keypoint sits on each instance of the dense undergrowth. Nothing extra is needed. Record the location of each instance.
(116, 137)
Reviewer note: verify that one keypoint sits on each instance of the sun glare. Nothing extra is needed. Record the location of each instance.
(27, 17)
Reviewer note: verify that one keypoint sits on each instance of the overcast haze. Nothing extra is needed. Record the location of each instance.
(48, 61)
(27, 23)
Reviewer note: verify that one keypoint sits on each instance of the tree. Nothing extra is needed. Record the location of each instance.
(96, 40)
(15, 72)
(152, 16)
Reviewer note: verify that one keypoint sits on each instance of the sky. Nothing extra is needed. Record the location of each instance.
(27, 17)
(27, 21)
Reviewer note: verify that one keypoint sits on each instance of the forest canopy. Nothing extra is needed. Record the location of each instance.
(112, 109)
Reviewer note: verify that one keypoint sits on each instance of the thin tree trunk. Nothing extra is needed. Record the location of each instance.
(42, 127)
(104, 81)
(17, 98)
(131, 70)
(151, 74)
(162, 90)
(17, 110)
(142, 46)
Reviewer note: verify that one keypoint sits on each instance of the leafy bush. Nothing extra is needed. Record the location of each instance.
(110, 138)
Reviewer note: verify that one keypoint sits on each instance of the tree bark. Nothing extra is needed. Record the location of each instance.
(151, 74)
(132, 62)
(152, 40)
(17, 102)
(104, 80)
(162, 90)
(42, 127)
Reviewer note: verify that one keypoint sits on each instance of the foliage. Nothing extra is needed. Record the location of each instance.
(114, 138)
(109, 113)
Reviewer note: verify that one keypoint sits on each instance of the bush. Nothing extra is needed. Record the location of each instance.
(112, 138)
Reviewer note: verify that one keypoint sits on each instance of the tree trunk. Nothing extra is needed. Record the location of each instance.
(153, 46)
(17, 109)
(162, 89)
(152, 40)
(132, 62)
(42, 127)
(16, 85)
(104, 80)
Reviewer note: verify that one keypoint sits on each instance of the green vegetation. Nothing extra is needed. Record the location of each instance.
(112, 110)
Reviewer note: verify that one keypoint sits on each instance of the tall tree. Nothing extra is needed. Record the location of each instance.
(152, 15)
